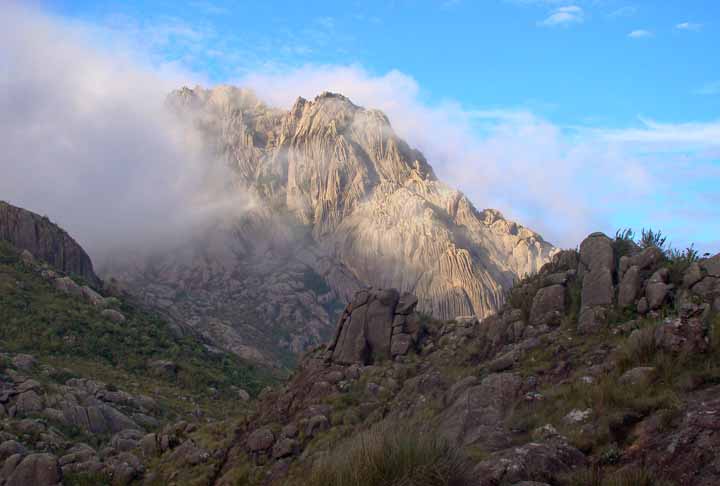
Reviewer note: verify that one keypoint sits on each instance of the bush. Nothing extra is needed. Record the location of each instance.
(392, 455)
(650, 238)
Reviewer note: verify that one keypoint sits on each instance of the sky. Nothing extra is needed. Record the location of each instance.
(569, 116)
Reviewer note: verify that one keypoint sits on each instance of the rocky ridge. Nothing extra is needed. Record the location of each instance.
(28, 231)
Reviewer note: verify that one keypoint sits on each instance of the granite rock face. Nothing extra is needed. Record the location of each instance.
(376, 325)
(44, 240)
(369, 211)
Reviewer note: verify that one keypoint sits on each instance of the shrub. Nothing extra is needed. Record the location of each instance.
(650, 238)
(392, 455)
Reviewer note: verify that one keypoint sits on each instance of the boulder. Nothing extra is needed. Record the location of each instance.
(316, 424)
(548, 306)
(365, 331)
(260, 440)
(597, 288)
(36, 470)
(476, 415)
(28, 402)
(11, 447)
(68, 286)
(647, 258)
(711, 265)
(400, 344)
(113, 315)
(596, 252)
(591, 319)
(91, 296)
(657, 290)
(692, 275)
(285, 448)
(406, 304)
(629, 287)
(545, 461)
(641, 375)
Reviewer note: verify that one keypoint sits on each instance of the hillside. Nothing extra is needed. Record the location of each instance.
(340, 202)
(540, 394)
(85, 377)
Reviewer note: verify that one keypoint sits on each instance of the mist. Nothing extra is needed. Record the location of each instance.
(88, 141)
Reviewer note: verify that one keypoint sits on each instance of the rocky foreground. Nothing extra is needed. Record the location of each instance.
(602, 369)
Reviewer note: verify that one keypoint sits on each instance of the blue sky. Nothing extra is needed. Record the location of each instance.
(611, 107)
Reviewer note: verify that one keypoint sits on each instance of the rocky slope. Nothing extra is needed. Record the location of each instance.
(36, 234)
(338, 195)
(602, 369)
(88, 376)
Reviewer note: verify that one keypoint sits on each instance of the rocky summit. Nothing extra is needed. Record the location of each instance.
(340, 203)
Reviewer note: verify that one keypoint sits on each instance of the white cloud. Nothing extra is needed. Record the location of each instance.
(688, 26)
(563, 16)
(87, 140)
(563, 182)
(640, 34)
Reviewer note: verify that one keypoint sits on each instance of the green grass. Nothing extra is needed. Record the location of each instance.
(43, 322)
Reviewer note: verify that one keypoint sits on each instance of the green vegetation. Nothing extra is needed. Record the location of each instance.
(391, 455)
(48, 324)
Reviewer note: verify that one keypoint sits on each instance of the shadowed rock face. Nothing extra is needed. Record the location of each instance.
(29, 231)
(371, 209)
(376, 325)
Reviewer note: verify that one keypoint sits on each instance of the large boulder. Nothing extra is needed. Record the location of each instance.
(712, 265)
(548, 306)
(629, 287)
(646, 259)
(36, 470)
(596, 252)
(657, 288)
(597, 288)
(376, 325)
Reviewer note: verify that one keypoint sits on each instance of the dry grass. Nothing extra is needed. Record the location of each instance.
(391, 455)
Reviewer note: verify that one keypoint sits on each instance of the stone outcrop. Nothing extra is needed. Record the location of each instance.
(377, 325)
(44, 240)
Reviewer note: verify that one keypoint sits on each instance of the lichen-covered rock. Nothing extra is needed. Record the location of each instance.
(597, 288)
(712, 266)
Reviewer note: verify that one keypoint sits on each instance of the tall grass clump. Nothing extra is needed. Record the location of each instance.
(392, 455)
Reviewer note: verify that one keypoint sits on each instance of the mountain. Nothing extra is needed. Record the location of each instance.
(340, 202)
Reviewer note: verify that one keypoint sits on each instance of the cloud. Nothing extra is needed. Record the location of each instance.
(712, 88)
(688, 26)
(640, 34)
(564, 182)
(88, 141)
(563, 16)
